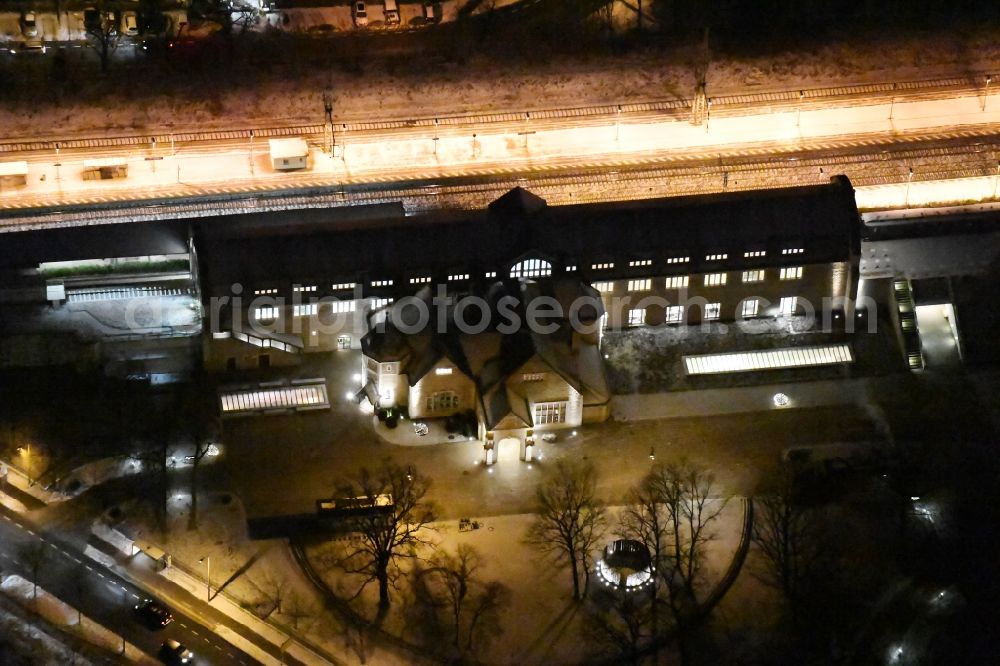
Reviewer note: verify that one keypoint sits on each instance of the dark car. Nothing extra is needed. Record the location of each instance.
(172, 652)
(153, 614)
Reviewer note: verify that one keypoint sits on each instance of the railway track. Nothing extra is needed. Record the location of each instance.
(866, 165)
(810, 98)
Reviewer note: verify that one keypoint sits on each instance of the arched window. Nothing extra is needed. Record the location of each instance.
(531, 268)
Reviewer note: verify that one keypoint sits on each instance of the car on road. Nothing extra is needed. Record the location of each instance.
(172, 652)
(153, 614)
(360, 13)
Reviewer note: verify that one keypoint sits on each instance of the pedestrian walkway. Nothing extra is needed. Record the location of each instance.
(743, 399)
(217, 614)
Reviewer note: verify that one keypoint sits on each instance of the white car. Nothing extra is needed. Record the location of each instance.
(360, 13)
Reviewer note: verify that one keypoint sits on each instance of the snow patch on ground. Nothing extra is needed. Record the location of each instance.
(61, 614)
(420, 88)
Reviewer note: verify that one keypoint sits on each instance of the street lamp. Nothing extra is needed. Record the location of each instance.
(986, 91)
(798, 109)
(906, 199)
(208, 576)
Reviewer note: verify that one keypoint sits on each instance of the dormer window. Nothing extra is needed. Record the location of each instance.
(531, 268)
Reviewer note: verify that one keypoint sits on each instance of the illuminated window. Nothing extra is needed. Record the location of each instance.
(788, 305)
(571, 269)
(603, 267)
(442, 400)
(754, 253)
(458, 277)
(533, 377)
(380, 303)
(753, 276)
(750, 307)
(550, 412)
(793, 250)
(637, 317)
(381, 283)
(677, 282)
(265, 312)
(531, 268)
(715, 279)
(716, 257)
(674, 314)
(791, 273)
(678, 260)
(640, 262)
(264, 292)
(713, 310)
(420, 280)
(639, 285)
(442, 371)
(299, 287)
(305, 309)
(491, 274)
(604, 287)
(342, 307)
(343, 286)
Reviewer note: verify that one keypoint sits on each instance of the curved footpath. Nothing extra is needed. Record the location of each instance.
(419, 653)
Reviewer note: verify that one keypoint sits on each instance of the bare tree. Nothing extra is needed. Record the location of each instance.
(203, 428)
(672, 513)
(300, 611)
(468, 606)
(33, 556)
(570, 520)
(102, 30)
(785, 538)
(620, 623)
(390, 534)
(273, 588)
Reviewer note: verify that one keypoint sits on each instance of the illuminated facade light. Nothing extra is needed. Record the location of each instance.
(771, 359)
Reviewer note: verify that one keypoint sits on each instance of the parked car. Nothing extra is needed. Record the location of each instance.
(152, 614)
(172, 652)
(360, 13)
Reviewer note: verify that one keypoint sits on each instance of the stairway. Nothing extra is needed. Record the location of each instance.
(908, 324)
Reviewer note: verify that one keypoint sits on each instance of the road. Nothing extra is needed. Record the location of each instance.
(105, 597)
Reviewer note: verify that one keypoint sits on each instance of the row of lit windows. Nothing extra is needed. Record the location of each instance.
(541, 268)
(710, 280)
(532, 376)
(749, 308)
(265, 312)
